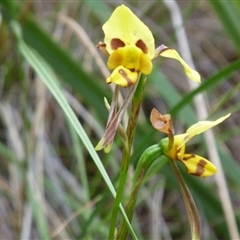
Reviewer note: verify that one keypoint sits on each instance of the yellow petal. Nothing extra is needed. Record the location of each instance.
(198, 166)
(123, 77)
(130, 57)
(171, 53)
(101, 145)
(201, 127)
(127, 27)
(116, 59)
(175, 152)
(145, 64)
(107, 149)
(127, 56)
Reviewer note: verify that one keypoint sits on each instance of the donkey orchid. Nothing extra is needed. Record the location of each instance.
(130, 46)
(196, 165)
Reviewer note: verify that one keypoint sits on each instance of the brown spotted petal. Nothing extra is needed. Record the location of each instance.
(125, 26)
(198, 166)
(122, 76)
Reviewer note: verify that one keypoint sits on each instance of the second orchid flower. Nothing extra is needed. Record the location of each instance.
(174, 146)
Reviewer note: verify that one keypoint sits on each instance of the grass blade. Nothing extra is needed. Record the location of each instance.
(49, 78)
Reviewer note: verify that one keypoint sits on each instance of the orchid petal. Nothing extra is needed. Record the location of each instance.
(125, 26)
(130, 57)
(198, 166)
(176, 152)
(171, 53)
(123, 77)
(201, 127)
(163, 123)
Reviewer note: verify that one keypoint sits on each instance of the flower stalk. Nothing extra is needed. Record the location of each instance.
(191, 208)
(144, 163)
(130, 132)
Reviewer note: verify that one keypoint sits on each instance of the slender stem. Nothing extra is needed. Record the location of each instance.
(122, 181)
(191, 208)
(146, 160)
(132, 123)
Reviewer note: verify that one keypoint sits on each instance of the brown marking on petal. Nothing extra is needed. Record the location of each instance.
(191, 156)
(200, 168)
(125, 76)
(116, 43)
(140, 44)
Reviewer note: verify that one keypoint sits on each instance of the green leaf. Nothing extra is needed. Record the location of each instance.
(229, 15)
(207, 84)
(47, 75)
(72, 72)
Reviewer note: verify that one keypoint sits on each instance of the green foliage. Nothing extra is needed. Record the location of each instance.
(52, 182)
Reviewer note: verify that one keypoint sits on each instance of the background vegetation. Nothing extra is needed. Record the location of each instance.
(50, 183)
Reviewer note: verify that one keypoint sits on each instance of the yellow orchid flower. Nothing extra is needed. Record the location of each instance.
(130, 46)
(196, 165)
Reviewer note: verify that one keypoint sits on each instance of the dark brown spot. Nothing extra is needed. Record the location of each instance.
(124, 74)
(116, 43)
(200, 168)
(190, 156)
(140, 44)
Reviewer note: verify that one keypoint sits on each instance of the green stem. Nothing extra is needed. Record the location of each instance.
(132, 123)
(146, 160)
(191, 208)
